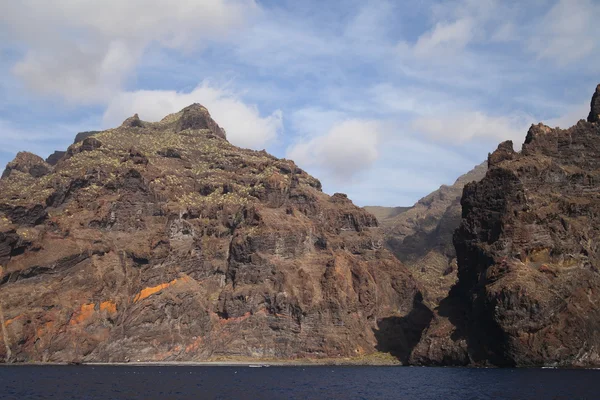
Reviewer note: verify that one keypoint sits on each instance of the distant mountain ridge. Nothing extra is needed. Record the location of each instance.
(384, 213)
(421, 236)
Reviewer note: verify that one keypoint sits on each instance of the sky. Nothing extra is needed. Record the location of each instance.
(383, 100)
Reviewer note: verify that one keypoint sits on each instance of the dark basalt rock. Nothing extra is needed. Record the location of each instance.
(528, 269)
(169, 153)
(58, 155)
(55, 157)
(90, 144)
(133, 122)
(504, 152)
(197, 117)
(136, 156)
(339, 198)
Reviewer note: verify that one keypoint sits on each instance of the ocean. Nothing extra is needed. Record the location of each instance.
(314, 382)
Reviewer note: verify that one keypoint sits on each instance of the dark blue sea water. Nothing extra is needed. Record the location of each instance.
(182, 382)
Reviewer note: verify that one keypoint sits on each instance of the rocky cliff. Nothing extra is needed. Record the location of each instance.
(528, 290)
(163, 242)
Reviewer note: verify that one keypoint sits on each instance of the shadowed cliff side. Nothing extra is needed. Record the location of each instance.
(399, 335)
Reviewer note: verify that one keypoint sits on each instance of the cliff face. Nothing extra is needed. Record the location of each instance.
(527, 251)
(162, 241)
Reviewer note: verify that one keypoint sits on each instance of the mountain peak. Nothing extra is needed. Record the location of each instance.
(504, 152)
(133, 122)
(194, 117)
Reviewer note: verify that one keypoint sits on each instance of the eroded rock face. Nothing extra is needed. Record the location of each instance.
(527, 251)
(197, 117)
(528, 278)
(55, 157)
(162, 241)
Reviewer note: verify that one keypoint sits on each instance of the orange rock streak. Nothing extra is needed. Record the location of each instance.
(149, 291)
(109, 307)
(86, 312)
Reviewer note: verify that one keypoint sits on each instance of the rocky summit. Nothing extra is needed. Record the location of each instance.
(164, 242)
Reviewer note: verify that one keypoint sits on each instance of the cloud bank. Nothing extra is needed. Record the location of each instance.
(84, 50)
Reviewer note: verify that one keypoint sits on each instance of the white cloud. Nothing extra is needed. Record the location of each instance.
(445, 39)
(469, 125)
(243, 123)
(349, 147)
(81, 74)
(568, 32)
(311, 120)
(83, 50)
(457, 25)
(392, 99)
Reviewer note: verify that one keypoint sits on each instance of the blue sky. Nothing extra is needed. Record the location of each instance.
(382, 100)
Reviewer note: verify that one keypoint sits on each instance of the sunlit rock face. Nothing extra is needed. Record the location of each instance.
(164, 242)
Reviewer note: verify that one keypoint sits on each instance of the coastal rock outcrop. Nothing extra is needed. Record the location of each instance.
(164, 242)
(528, 260)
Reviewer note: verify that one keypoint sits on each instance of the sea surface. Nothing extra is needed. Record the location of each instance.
(242, 382)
